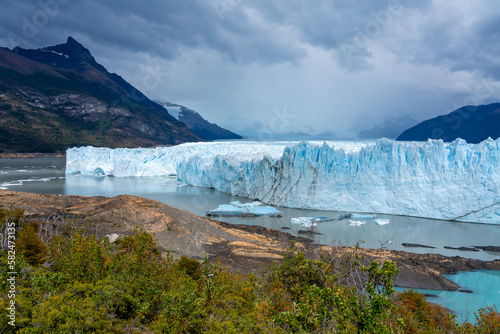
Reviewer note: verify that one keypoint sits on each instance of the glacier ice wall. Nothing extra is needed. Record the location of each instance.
(427, 179)
(431, 179)
(161, 161)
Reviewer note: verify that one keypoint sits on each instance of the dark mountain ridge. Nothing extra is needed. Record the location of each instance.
(59, 96)
(471, 123)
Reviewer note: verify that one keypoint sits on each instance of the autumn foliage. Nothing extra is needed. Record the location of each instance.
(92, 286)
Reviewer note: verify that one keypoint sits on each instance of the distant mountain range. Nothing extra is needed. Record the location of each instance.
(471, 123)
(58, 97)
(390, 128)
(197, 124)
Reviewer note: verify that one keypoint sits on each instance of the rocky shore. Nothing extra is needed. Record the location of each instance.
(240, 247)
(31, 155)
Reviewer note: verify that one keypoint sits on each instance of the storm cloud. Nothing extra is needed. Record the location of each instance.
(323, 64)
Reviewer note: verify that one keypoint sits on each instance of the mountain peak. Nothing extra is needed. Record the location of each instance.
(67, 55)
(71, 40)
(73, 49)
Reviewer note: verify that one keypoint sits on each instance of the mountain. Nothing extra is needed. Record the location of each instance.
(471, 123)
(58, 97)
(197, 124)
(390, 128)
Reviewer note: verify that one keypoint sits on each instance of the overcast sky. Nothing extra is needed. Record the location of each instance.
(327, 64)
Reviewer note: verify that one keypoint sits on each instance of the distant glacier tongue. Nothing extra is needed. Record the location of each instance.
(426, 179)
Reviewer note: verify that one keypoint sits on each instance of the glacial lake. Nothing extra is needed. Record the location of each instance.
(485, 285)
(47, 176)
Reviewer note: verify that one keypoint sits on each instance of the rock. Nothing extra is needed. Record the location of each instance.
(471, 249)
(495, 249)
(112, 237)
(416, 245)
(465, 290)
(47, 264)
(285, 228)
(308, 232)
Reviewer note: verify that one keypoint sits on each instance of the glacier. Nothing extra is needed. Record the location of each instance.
(160, 161)
(164, 161)
(433, 179)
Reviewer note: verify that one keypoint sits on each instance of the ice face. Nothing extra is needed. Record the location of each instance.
(456, 181)
(162, 161)
(427, 179)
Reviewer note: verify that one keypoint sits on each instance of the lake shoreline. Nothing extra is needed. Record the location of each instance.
(31, 155)
(243, 248)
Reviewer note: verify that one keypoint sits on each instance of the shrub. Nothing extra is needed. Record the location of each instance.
(31, 246)
(82, 259)
(488, 320)
(190, 266)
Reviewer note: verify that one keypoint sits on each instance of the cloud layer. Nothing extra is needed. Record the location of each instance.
(324, 63)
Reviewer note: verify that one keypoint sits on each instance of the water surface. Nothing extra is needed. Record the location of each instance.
(46, 175)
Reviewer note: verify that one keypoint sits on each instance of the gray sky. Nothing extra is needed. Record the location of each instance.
(287, 63)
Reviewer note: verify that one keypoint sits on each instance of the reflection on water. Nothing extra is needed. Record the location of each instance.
(486, 292)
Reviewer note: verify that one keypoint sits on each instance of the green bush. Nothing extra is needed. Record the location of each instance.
(83, 259)
(190, 266)
(30, 245)
(133, 288)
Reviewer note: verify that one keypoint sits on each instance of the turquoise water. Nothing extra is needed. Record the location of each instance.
(485, 285)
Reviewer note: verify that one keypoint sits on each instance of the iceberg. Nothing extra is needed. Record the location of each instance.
(356, 223)
(313, 221)
(237, 209)
(382, 221)
(433, 179)
(304, 221)
(360, 216)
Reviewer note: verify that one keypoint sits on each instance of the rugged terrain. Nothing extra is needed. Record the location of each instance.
(240, 247)
(59, 97)
(196, 123)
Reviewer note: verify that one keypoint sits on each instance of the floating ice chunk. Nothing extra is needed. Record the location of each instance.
(246, 205)
(237, 209)
(382, 221)
(300, 220)
(305, 221)
(356, 223)
(10, 184)
(323, 219)
(359, 216)
(313, 221)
